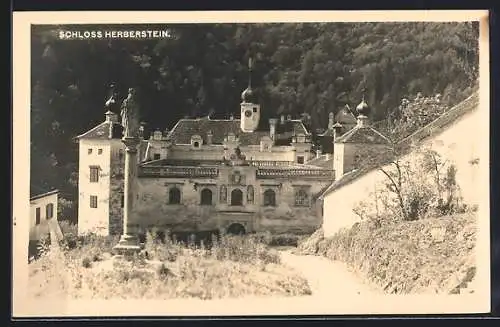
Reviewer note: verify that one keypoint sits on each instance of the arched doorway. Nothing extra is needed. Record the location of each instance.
(237, 197)
(236, 229)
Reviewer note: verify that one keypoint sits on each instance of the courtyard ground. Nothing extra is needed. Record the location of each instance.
(326, 277)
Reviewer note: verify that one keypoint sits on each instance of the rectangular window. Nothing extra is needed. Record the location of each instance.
(122, 200)
(156, 156)
(37, 216)
(300, 159)
(49, 210)
(93, 201)
(89, 151)
(99, 151)
(94, 174)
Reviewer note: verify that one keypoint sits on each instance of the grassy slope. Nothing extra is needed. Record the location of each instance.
(235, 268)
(425, 256)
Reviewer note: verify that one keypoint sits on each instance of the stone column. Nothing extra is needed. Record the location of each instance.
(128, 243)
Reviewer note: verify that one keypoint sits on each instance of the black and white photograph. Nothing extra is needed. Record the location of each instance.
(250, 163)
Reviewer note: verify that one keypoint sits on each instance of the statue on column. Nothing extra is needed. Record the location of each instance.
(130, 115)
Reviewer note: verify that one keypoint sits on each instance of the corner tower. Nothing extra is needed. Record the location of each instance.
(250, 109)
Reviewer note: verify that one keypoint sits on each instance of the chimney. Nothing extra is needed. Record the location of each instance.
(209, 137)
(318, 153)
(282, 119)
(142, 129)
(331, 118)
(272, 127)
(141, 132)
(336, 130)
(288, 117)
(111, 116)
(231, 117)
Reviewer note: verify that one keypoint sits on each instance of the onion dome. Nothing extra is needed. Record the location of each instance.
(363, 109)
(248, 95)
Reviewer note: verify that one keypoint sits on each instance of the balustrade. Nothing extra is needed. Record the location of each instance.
(280, 173)
(178, 171)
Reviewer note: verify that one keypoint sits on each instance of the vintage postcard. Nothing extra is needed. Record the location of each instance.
(250, 163)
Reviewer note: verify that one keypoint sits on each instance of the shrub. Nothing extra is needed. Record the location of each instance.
(282, 239)
(310, 245)
(86, 262)
(161, 248)
(242, 249)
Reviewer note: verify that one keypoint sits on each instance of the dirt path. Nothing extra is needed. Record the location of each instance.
(326, 276)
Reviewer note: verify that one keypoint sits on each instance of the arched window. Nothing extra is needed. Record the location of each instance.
(301, 198)
(236, 197)
(206, 197)
(174, 196)
(49, 210)
(269, 198)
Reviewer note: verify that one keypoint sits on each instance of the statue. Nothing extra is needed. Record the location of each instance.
(250, 194)
(129, 114)
(223, 194)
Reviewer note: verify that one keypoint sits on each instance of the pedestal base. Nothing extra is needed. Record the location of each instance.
(128, 245)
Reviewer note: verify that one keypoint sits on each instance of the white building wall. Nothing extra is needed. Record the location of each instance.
(36, 231)
(94, 220)
(460, 144)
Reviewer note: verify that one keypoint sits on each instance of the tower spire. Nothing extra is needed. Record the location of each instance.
(250, 72)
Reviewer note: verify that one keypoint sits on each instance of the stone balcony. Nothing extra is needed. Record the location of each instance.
(295, 173)
(179, 172)
(264, 170)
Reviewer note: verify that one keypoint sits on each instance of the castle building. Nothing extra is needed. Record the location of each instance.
(233, 175)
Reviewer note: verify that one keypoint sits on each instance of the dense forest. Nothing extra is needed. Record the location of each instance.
(298, 69)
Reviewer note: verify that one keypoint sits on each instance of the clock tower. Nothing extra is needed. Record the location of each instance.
(250, 109)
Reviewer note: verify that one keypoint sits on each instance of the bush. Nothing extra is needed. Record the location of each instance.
(283, 239)
(86, 262)
(310, 245)
(242, 249)
(160, 247)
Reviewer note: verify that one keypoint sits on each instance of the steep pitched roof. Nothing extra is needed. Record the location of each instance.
(182, 132)
(363, 134)
(434, 128)
(101, 131)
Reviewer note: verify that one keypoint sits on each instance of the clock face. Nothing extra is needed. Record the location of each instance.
(248, 113)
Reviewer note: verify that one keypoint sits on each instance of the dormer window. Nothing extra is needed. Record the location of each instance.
(196, 141)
